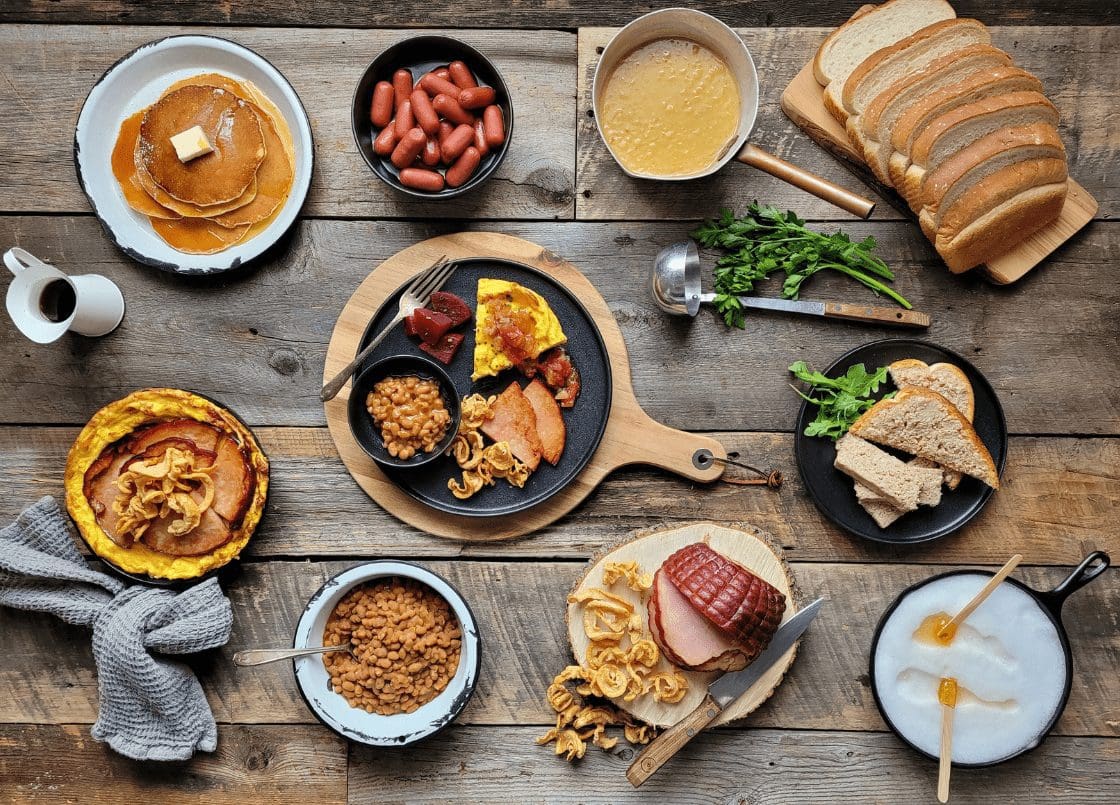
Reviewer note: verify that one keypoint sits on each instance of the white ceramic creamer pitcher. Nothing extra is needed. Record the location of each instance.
(44, 303)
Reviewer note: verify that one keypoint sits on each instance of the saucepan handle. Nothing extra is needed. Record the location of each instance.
(809, 182)
(1091, 566)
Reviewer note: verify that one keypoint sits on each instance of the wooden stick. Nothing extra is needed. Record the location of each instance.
(945, 759)
(951, 626)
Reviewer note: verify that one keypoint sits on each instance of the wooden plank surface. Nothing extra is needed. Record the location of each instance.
(240, 339)
(1080, 81)
(752, 767)
(257, 764)
(39, 105)
(481, 14)
(518, 604)
(1060, 499)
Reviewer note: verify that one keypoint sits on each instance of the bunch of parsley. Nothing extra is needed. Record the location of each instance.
(840, 401)
(766, 240)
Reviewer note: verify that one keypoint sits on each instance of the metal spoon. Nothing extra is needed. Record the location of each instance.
(262, 656)
(675, 282)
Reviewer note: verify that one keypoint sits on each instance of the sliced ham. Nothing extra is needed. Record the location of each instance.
(686, 637)
(550, 422)
(233, 481)
(100, 489)
(203, 435)
(211, 533)
(514, 422)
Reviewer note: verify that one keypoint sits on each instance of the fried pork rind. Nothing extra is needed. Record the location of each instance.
(667, 686)
(635, 580)
(611, 669)
(151, 488)
(481, 464)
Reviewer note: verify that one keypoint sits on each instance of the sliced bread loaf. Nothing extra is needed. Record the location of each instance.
(982, 83)
(866, 33)
(907, 56)
(923, 423)
(1002, 227)
(877, 120)
(929, 480)
(944, 184)
(888, 477)
(884, 514)
(960, 127)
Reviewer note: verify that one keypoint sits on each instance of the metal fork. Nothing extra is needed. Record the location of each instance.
(416, 295)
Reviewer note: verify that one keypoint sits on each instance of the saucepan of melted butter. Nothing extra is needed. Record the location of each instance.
(675, 97)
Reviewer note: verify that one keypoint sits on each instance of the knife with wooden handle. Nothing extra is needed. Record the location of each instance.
(721, 693)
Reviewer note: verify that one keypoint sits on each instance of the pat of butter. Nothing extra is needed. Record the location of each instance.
(191, 144)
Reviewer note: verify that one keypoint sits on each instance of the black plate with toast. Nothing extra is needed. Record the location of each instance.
(833, 492)
(585, 422)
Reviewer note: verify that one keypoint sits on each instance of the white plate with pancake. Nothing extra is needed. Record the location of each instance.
(137, 81)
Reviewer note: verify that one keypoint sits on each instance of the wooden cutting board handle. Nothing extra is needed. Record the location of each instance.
(640, 439)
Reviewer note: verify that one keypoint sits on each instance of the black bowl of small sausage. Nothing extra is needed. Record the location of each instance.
(432, 117)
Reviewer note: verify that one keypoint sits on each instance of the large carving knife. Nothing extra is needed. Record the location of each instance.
(721, 693)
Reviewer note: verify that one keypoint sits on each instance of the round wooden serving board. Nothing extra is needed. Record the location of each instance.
(631, 437)
(753, 551)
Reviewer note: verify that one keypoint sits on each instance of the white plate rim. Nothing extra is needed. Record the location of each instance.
(358, 725)
(237, 255)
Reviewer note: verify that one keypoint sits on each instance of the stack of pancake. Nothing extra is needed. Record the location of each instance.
(219, 199)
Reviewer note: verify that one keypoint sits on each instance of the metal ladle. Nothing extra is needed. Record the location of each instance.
(677, 290)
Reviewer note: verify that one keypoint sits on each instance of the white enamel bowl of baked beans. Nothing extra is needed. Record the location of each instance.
(356, 724)
(368, 431)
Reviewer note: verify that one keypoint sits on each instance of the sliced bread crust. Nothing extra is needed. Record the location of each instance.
(986, 155)
(878, 119)
(887, 65)
(923, 423)
(1008, 224)
(964, 125)
(995, 189)
(980, 84)
(868, 31)
(946, 379)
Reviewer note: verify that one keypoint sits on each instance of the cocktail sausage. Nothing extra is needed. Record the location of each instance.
(409, 148)
(449, 108)
(422, 179)
(402, 86)
(495, 126)
(464, 167)
(386, 141)
(456, 143)
(434, 85)
(424, 112)
(461, 75)
(477, 97)
(382, 106)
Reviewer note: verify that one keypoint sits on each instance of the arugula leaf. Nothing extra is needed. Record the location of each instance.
(766, 240)
(840, 401)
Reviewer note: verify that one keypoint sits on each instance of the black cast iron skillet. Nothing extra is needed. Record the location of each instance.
(1050, 602)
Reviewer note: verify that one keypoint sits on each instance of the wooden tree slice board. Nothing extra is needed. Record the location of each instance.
(803, 103)
(754, 551)
(631, 436)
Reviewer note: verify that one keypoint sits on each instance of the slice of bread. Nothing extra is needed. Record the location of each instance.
(877, 120)
(923, 423)
(957, 129)
(851, 43)
(884, 514)
(929, 480)
(1001, 228)
(944, 184)
(946, 379)
(888, 477)
(907, 56)
(982, 83)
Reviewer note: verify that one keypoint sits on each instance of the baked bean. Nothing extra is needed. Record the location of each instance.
(384, 680)
(409, 410)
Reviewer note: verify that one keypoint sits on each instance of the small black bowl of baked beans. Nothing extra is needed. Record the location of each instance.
(404, 411)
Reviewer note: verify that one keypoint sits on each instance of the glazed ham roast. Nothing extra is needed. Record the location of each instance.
(707, 613)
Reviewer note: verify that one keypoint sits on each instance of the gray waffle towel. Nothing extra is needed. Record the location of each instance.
(151, 708)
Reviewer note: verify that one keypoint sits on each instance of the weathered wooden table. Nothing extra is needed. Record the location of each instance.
(1049, 345)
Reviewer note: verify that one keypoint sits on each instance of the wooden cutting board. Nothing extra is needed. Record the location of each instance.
(631, 436)
(803, 103)
(753, 549)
